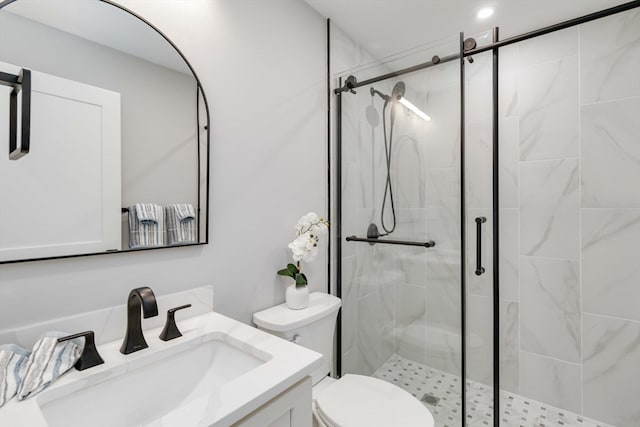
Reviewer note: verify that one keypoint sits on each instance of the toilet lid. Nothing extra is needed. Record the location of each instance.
(357, 400)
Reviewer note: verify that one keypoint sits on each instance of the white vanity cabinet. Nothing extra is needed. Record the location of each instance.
(292, 408)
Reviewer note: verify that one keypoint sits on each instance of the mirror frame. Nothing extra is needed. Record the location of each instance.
(207, 152)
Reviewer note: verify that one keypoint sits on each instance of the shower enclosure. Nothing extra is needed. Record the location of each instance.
(487, 215)
(407, 198)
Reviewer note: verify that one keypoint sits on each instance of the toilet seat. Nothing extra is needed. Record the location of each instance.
(358, 401)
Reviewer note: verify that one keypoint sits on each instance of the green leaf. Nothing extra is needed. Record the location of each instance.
(292, 269)
(301, 280)
(285, 272)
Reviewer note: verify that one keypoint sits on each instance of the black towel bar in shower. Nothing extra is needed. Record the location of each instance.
(373, 241)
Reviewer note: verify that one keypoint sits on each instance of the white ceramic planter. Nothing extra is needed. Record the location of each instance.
(297, 297)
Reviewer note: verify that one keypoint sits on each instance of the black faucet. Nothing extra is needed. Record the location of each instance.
(138, 298)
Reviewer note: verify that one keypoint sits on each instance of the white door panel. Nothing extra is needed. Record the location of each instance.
(63, 197)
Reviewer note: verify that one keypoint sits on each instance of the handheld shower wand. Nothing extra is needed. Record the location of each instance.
(396, 94)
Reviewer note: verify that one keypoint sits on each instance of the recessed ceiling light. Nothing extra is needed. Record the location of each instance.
(485, 13)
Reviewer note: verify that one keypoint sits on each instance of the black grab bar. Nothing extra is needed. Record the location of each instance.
(372, 241)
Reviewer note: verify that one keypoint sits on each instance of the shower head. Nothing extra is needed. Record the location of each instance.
(396, 95)
(397, 92)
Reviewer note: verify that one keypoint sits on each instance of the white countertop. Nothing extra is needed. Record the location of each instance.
(284, 365)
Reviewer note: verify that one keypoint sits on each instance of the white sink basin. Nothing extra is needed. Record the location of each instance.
(218, 372)
(187, 379)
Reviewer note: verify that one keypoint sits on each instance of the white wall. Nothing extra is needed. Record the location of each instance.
(262, 65)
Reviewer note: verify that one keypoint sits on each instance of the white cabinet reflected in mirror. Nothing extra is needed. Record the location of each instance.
(118, 140)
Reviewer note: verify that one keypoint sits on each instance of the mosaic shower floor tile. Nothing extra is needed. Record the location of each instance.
(440, 392)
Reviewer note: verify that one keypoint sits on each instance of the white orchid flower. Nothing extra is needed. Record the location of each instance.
(305, 246)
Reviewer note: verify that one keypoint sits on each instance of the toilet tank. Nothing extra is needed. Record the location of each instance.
(312, 327)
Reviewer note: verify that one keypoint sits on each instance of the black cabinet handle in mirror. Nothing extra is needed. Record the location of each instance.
(170, 330)
(479, 268)
(90, 356)
(21, 83)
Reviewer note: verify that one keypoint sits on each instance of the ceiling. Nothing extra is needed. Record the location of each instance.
(387, 27)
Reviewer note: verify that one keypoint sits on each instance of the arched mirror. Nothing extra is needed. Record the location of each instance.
(104, 133)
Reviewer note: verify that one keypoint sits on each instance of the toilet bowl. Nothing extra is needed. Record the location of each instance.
(353, 400)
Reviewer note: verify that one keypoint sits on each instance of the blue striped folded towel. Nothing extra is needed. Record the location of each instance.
(146, 232)
(147, 213)
(181, 224)
(48, 360)
(13, 364)
(184, 211)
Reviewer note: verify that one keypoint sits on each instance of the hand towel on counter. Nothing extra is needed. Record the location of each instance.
(146, 232)
(181, 224)
(48, 360)
(13, 365)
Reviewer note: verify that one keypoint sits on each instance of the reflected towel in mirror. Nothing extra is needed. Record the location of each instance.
(146, 233)
(147, 212)
(181, 224)
(184, 211)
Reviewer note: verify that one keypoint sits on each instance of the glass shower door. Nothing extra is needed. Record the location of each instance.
(479, 220)
(401, 182)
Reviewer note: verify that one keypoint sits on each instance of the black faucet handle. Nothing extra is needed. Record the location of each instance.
(90, 356)
(170, 330)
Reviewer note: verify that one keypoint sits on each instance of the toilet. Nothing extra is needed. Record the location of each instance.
(353, 400)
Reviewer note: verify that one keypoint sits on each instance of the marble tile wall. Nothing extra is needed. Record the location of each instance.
(569, 223)
(570, 219)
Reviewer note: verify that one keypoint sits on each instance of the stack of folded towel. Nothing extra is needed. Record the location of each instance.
(146, 225)
(181, 224)
(25, 373)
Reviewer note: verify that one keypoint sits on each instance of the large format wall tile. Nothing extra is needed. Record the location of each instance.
(509, 157)
(549, 47)
(509, 255)
(611, 154)
(443, 288)
(610, 268)
(480, 341)
(610, 57)
(550, 307)
(548, 107)
(369, 337)
(508, 81)
(551, 381)
(349, 303)
(408, 164)
(610, 370)
(375, 268)
(478, 85)
(478, 165)
(549, 209)
(509, 346)
(443, 134)
(411, 323)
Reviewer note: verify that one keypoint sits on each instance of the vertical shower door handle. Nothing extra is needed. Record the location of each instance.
(479, 221)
